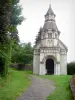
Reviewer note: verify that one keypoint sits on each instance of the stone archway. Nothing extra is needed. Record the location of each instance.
(50, 66)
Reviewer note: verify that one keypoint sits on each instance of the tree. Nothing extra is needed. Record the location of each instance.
(4, 19)
(5, 13)
(16, 19)
(22, 53)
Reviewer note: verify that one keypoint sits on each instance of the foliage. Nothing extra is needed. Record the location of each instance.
(71, 68)
(14, 34)
(10, 17)
(16, 83)
(62, 91)
(3, 66)
(4, 19)
(5, 6)
(22, 53)
(16, 19)
(5, 56)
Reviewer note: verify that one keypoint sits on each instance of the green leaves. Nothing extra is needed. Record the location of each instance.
(22, 53)
(14, 2)
(5, 9)
(71, 68)
(16, 19)
(10, 17)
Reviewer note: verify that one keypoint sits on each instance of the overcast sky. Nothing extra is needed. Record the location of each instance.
(34, 11)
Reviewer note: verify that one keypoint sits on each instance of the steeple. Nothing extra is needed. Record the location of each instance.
(49, 28)
(50, 11)
(50, 20)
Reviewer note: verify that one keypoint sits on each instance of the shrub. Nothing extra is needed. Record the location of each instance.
(3, 64)
(22, 53)
(71, 68)
(5, 56)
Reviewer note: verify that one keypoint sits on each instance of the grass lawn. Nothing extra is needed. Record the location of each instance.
(16, 83)
(62, 91)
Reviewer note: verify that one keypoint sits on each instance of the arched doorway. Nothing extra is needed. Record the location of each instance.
(50, 66)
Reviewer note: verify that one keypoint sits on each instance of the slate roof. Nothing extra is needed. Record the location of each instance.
(63, 44)
(50, 11)
(50, 25)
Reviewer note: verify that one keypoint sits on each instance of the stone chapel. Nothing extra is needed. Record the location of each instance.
(50, 53)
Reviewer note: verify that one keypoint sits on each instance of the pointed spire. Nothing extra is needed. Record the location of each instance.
(50, 11)
(50, 4)
(50, 20)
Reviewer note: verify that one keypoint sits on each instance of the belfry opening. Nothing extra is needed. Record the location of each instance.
(50, 66)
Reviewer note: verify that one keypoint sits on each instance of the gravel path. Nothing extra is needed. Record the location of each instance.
(39, 89)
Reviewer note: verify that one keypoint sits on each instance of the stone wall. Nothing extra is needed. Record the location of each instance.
(72, 86)
(21, 67)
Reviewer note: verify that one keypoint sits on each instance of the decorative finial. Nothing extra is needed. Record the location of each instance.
(50, 3)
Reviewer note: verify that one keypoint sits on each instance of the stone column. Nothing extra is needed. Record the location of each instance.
(58, 68)
(42, 70)
(58, 64)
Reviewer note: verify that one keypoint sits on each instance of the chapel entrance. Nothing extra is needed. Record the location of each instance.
(50, 66)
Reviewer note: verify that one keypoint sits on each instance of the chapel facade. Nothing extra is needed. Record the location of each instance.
(50, 53)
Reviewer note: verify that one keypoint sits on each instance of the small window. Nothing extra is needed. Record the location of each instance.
(55, 35)
(49, 35)
(43, 35)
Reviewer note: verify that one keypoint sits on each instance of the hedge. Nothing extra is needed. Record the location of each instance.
(71, 68)
(3, 64)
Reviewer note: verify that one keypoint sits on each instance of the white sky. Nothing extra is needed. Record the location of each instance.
(34, 11)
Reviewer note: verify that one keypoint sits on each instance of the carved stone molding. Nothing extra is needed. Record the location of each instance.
(41, 62)
(57, 62)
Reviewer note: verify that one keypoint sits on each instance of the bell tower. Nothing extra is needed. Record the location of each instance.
(50, 34)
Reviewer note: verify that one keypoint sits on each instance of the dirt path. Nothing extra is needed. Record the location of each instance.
(39, 89)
